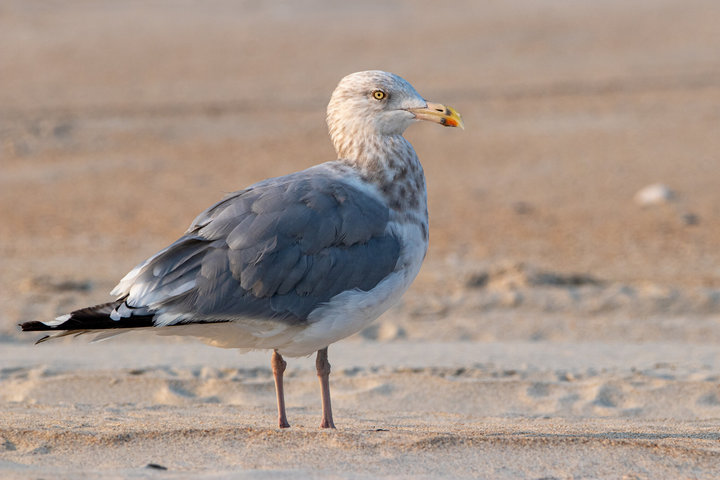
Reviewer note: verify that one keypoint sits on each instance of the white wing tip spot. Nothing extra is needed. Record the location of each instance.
(58, 320)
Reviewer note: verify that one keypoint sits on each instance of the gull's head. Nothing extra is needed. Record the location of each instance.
(376, 103)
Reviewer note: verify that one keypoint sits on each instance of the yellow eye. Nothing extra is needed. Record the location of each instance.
(378, 94)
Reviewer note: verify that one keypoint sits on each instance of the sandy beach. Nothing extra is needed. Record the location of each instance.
(563, 325)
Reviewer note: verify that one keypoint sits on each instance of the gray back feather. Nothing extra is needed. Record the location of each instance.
(276, 250)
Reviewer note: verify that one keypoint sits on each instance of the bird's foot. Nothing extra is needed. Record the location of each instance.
(327, 423)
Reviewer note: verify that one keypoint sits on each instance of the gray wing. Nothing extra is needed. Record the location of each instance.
(275, 250)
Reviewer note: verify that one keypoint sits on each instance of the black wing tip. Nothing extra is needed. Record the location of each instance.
(91, 318)
(34, 326)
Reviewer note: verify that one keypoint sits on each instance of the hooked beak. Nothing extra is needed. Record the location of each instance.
(438, 113)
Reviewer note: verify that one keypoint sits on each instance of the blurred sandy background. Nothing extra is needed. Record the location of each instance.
(559, 327)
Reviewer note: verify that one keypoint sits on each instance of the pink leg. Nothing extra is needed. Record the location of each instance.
(278, 368)
(323, 370)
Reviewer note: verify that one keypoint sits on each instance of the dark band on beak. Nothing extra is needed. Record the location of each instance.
(438, 113)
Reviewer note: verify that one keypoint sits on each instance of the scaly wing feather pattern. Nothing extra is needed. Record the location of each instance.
(275, 250)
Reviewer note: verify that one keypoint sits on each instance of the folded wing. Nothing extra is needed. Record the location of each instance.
(276, 250)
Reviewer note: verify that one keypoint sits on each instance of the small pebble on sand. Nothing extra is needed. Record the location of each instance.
(655, 194)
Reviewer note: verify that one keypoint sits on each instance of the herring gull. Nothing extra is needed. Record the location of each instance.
(294, 263)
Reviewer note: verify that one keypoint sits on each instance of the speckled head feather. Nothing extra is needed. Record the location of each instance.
(367, 132)
(367, 115)
(368, 104)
